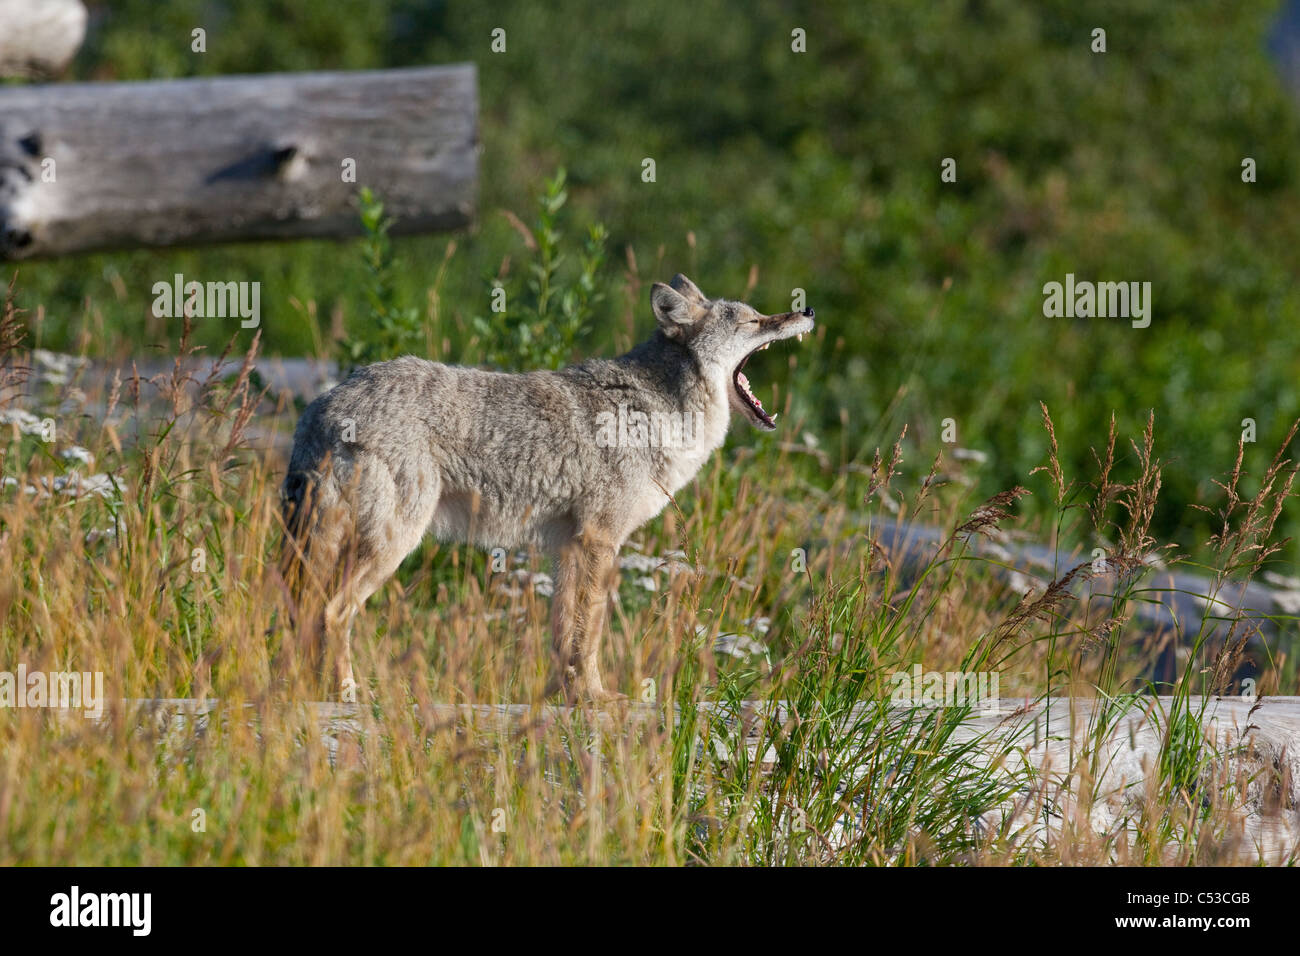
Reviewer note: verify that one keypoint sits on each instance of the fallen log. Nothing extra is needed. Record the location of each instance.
(1091, 760)
(92, 166)
(1168, 601)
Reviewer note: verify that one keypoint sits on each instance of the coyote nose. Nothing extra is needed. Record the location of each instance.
(809, 312)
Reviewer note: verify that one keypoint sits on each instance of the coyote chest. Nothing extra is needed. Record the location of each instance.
(678, 459)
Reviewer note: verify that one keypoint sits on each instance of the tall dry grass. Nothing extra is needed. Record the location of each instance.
(161, 577)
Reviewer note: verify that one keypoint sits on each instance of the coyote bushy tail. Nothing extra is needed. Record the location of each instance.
(309, 556)
(296, 511)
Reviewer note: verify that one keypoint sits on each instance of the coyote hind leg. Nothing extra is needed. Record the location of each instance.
(340, 611)
(367, 540)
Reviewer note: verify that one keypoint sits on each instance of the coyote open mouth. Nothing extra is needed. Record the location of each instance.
(752, 404)
(748, 397)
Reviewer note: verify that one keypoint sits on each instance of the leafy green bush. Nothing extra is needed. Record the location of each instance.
(540, 324)
(388, 330)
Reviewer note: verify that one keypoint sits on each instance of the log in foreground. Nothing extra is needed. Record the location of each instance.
(39, 37)
(93, 166)
(1076, 763)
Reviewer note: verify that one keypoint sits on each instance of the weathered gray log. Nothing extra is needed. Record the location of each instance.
(91, 166)
(38, 38)
(1170, 600)
(1090, 759)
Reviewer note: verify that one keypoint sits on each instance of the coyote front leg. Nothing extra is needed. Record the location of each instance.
(583, 569)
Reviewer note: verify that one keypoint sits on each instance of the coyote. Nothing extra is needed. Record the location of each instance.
(566, 460)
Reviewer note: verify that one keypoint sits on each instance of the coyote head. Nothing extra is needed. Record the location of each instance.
(723, 335)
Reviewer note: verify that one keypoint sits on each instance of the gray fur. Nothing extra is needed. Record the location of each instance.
(502, 460)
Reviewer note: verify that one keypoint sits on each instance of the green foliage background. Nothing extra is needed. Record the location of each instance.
(822, 170)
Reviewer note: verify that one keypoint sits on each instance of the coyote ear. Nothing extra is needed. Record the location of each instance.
(672, 311)
(687, 288)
